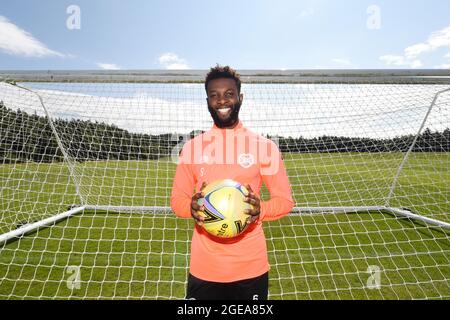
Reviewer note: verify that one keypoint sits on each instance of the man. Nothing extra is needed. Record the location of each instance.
(235, 268)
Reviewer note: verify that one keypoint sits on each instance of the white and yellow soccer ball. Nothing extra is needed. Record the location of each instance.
(224, 205)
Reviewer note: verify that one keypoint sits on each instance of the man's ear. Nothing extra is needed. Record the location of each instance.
(241, 97)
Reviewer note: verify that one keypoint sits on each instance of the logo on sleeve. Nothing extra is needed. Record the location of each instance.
(246, 160)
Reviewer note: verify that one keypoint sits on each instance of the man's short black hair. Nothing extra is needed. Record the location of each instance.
(219, 72)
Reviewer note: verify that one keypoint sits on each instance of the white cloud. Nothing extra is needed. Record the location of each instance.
(416, 64)
(393, 59)
(436, 40)
(342, 61)
(306, 13)
(108, 66)
(417, 49)
(16, 41)
(171, 61)
(397, 60)
(443, 66)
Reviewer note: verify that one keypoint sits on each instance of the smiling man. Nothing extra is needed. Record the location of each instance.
(235, 268)
(224, 101)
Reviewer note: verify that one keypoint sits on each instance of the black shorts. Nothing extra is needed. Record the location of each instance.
(249, 289)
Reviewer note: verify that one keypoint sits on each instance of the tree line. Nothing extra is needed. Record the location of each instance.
(25, 137)
(29, 137)
(427, 141)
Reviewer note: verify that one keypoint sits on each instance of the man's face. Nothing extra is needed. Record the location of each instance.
(224, 102)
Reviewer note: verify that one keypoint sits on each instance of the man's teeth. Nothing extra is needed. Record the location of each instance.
(224, 110)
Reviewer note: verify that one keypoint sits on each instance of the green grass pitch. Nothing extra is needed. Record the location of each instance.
(146, 256)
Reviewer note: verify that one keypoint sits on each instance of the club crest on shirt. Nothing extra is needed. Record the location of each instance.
(246, 160)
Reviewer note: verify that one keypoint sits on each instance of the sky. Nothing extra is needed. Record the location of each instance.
(250, 34)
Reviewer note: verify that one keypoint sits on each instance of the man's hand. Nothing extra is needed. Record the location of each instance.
(195, 207)
(252, 199)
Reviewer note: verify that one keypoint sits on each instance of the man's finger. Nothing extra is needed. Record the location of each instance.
(249, 188)
(197, 196)
(252, 198)
(195, 206)
(198, 218)
(253, 201)
(251, 212)
(204, 184)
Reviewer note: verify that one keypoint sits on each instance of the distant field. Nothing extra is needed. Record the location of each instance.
(146, 256)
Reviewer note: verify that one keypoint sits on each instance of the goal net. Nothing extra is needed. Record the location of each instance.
(87, 162)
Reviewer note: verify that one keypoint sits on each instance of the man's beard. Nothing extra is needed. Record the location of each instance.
(230, 121)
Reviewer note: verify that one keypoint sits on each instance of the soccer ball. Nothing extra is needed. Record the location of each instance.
(224, 205)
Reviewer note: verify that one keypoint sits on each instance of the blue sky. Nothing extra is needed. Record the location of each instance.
(246, 34)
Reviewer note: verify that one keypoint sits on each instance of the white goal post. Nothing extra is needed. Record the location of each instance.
(367, 154)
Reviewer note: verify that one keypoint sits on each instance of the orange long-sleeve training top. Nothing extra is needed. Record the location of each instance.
(245, 157)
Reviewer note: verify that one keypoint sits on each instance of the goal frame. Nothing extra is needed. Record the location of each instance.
(247, 76)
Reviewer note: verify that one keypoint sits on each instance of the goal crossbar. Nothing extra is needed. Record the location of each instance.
(381, 76)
